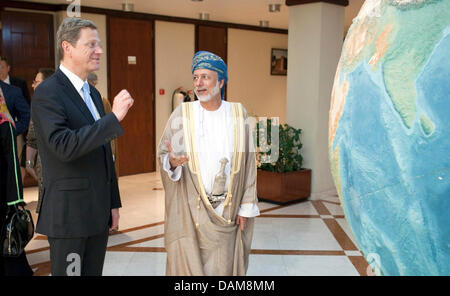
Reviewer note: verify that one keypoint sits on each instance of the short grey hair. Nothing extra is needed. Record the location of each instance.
(69, 31)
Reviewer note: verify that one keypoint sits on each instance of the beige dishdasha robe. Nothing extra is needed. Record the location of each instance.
(198, 241)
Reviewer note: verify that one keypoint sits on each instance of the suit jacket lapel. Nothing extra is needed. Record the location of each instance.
(75, 96)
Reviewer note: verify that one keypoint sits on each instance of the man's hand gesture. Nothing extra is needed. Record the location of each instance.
(121, 104)
(173, 159)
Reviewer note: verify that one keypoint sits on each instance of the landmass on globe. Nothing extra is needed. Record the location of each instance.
(389, 134)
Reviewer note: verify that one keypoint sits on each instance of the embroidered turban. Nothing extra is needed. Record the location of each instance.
(210, 61)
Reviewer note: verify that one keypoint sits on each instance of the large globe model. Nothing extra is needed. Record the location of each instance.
(389, 135)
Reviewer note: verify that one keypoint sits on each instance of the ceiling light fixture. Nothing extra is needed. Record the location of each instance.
(274, 7)
(264, 23)
(203, 16)
(127, 6)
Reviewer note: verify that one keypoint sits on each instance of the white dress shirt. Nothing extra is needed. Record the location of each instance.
(7, 80)
(78, 83)
(214, 137)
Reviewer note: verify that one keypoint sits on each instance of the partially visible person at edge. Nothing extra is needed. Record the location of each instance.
(81, 200)
(17, 106)
(11, 190)
(208, 168)
(33, 160)
(93, 80)
(5, 69)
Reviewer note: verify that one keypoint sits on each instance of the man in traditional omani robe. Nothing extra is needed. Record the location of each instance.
(208, 169)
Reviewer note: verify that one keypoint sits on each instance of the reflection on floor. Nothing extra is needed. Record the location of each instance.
(307, 238)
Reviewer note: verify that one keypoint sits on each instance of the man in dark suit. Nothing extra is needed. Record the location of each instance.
(17, 106)
(22, 85)
(11, 80)
(80, 194)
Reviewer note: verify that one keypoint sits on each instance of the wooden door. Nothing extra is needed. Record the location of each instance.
(131, 67)
(27, 43)
(212, 39)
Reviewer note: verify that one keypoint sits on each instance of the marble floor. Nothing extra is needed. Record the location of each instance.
(310, 238)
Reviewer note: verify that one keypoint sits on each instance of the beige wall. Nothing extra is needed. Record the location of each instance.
(174, 48)
(315, 42)
(250, 81)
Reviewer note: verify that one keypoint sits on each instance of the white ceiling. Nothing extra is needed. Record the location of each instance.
(248, 12)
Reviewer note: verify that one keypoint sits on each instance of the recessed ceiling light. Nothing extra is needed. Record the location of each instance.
(264, 23)
(203, 16)
(274, 7)
(127, 6)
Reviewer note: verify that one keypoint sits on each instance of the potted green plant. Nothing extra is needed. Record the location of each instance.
(281, 178)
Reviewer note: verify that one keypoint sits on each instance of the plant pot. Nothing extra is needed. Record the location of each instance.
(282, 188)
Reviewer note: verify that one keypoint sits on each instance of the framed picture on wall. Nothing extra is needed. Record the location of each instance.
(278, 62)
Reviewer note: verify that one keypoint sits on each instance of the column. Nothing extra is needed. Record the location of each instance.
(316, 33)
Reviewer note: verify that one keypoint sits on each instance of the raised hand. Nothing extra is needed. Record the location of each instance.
(122, 103)
(174, 159)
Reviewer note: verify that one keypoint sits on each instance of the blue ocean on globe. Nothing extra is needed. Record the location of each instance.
(392, 170)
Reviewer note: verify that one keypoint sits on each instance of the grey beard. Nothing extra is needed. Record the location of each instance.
(204, 98)
(207, 98)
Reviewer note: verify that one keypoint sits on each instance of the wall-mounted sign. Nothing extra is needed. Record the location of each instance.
(131, 60)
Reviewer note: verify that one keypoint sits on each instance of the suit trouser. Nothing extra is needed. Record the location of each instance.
(78, 256)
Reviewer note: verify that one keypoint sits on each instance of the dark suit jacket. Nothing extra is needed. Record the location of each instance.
(20, 83)
(79, 182)
(17, 106)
